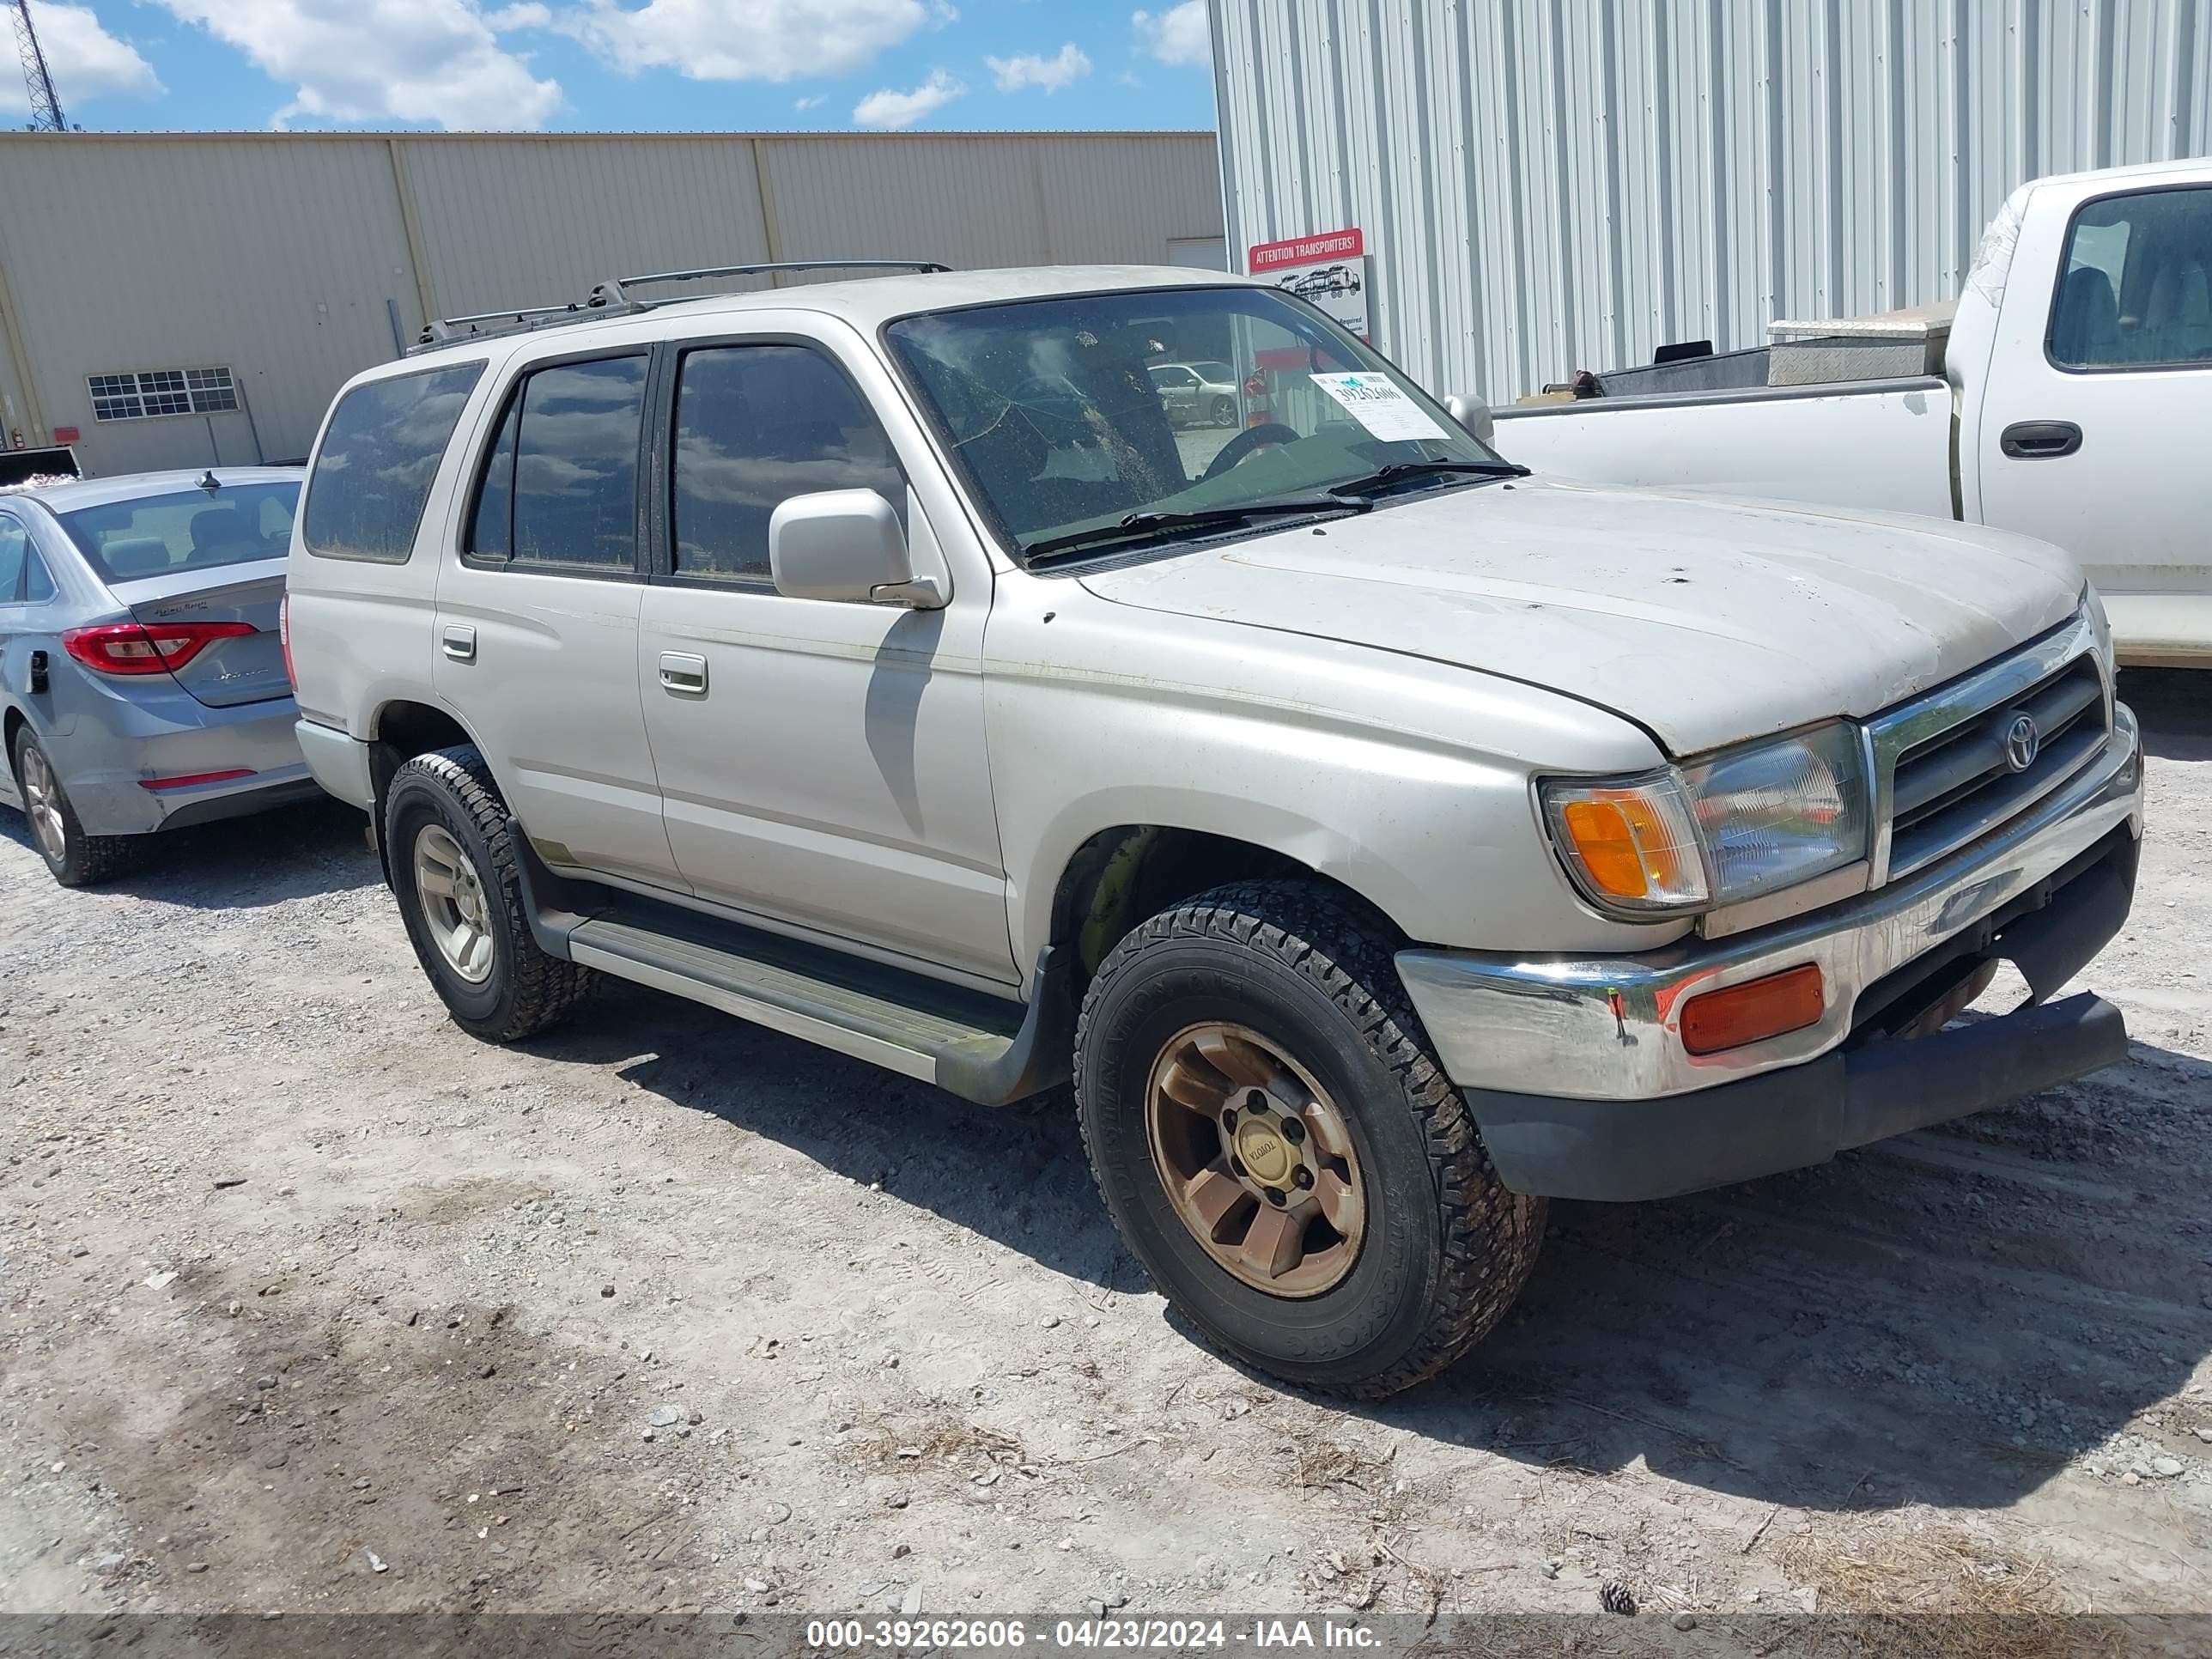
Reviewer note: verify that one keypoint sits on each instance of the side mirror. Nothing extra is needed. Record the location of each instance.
(846, 545)
(1473, 414)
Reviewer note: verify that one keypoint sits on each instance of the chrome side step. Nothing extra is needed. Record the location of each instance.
(989, 1051)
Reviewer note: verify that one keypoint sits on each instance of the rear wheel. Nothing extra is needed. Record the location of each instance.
(76, 859)
(455, 873)
(1224, 412)
(1282, 1151)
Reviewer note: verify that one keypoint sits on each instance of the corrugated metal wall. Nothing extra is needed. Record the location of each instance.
(1550, 184)
(285, 256)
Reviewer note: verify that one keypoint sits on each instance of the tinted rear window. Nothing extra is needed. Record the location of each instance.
(185, 530)
(373, 473)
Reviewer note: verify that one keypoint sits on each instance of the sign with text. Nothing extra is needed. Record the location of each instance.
(1328, 268)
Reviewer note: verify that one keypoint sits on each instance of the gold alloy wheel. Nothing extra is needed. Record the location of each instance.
(1256, 1160)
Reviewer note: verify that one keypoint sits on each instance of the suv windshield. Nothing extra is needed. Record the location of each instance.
(1053, 411)
(189, 529)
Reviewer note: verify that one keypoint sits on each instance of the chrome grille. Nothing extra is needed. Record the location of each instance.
(1952, 765)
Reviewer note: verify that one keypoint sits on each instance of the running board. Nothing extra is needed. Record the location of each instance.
(978, 1046)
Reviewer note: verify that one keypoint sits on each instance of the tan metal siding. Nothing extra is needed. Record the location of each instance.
(282, 255)
(1565, 184)
(161, 254)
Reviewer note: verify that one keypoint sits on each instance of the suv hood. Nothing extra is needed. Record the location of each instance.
(1705, 621)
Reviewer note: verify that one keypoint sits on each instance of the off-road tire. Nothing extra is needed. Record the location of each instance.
(86, 859)
(527, 991)
(1447, 1248)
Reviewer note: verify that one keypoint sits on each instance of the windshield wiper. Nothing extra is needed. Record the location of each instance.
(1140, 524)
(1397, 470)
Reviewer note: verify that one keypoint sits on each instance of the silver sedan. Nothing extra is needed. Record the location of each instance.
(142, 679)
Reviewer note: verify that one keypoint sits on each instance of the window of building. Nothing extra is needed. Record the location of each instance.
(560, 485)
(378, 459)
(153, 392)
(756, 425)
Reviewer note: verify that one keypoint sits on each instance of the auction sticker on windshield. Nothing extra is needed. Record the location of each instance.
(1377, 403)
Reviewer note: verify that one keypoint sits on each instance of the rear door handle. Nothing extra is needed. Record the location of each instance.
(683, 673)
(459, 643)
(2039, 441)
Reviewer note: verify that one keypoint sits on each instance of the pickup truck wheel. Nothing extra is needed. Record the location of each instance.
(76, 858)
(1282, 1151)
(459, 888)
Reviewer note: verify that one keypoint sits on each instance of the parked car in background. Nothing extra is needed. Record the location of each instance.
(1196, 394)
(2079, 353)
(1381, 840)
(142, 685)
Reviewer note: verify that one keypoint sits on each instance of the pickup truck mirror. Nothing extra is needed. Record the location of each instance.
(1473, 413)
(846, 545)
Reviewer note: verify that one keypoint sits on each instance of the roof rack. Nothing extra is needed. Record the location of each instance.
(612, 299)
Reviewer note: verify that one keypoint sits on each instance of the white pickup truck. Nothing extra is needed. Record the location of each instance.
(2079, 363)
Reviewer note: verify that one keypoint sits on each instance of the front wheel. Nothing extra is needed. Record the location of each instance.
(457, 878)
(1281, 1150)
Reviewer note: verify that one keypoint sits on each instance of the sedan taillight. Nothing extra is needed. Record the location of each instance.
(146, 648)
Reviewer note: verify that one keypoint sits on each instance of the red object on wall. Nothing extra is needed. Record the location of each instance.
(1313, 250)
(66, 435)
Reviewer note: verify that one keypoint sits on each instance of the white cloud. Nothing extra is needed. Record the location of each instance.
(1180, 36)
(86, 61)
(382, 60)
(1070, 64)
(889, 109)
(809, 103)
(750, 39)
(528, 16)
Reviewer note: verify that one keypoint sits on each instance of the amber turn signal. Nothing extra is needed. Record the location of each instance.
(1759, 1008)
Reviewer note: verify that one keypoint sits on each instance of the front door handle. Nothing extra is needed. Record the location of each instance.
(459, 643)
(683, 673)
(2039, 441)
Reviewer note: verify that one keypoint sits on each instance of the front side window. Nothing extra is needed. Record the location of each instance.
(379, 457)
(755, 426)
(2136, 291)
(560, 484)
(185, 530)
(1054, 411)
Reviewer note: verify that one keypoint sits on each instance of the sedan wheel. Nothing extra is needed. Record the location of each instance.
(42, 803)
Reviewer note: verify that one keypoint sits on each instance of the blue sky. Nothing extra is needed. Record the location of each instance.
(623, 65)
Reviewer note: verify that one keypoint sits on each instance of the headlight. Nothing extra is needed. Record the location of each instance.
(1716, 830)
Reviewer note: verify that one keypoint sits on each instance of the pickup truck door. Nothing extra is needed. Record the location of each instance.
(536, 629)
(2094, 378)
(821, 764)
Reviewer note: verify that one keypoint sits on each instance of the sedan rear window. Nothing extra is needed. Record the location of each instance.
(378, 455)
(185, 530)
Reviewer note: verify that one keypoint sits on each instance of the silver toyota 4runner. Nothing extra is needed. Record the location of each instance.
(1381, 840)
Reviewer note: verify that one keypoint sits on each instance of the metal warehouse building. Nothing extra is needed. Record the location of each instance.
(173, 299)
(1543, 185)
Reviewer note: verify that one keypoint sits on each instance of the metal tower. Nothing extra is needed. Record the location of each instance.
(45, 104)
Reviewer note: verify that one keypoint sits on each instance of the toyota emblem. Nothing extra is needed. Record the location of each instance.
(2022, 743)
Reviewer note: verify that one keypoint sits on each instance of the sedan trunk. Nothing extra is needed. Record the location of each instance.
(225, 673)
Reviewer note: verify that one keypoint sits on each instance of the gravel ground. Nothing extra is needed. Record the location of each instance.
(315, 1304)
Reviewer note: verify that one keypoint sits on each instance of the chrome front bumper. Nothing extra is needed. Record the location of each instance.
(1607, 1028)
